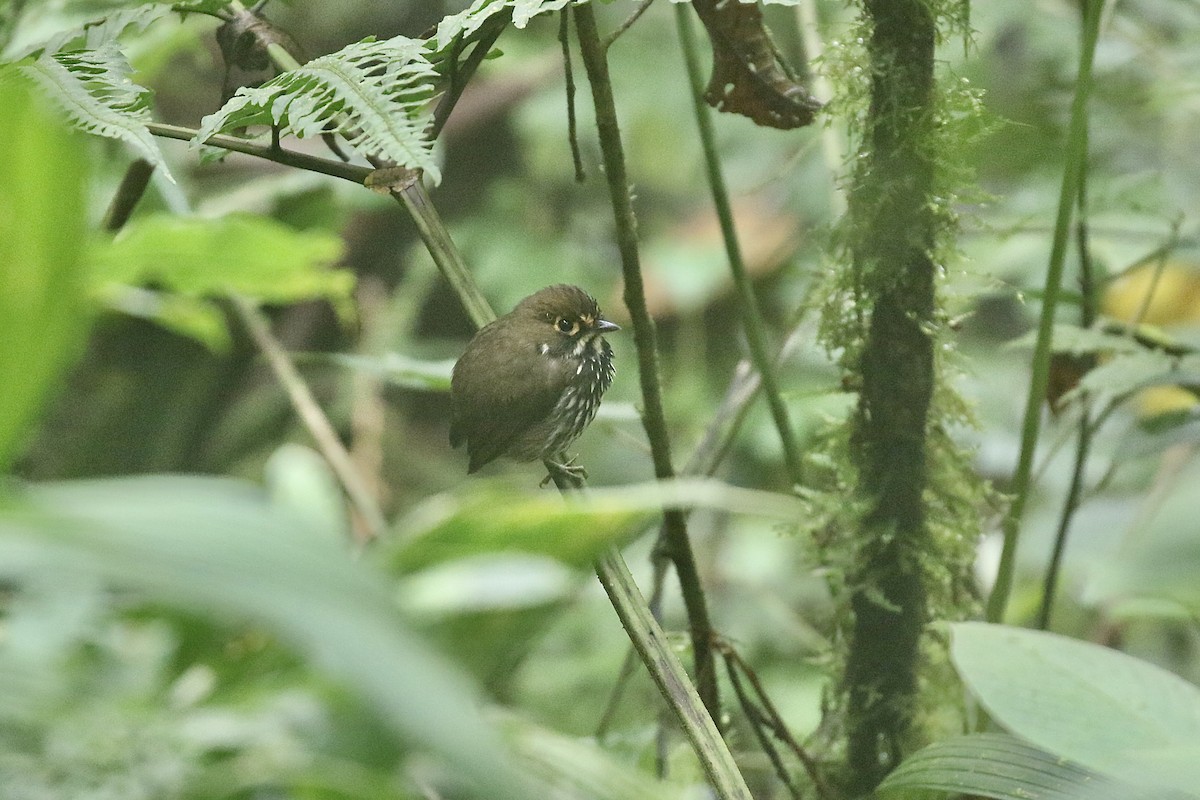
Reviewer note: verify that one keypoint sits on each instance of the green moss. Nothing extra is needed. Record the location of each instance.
(954, 499)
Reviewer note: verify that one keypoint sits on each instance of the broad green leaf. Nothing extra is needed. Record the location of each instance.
(43, 303)
(1004, 767)
(1097, 707)
(1156, 434)
(195, 317)
(1126, 373)
(375, 94)
(216, 548)
(300, 479)
(494, 517)
(1078, 341)
(239, 254)
(1165, 564)
(94, 90)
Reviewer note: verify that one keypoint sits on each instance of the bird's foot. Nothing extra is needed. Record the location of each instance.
(573, 473)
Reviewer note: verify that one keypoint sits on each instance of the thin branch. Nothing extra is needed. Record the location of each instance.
(678, 547)
(619, 31)
(354, 173)
(1087, 316)
(314, 419)
(564, 39)
(463, 73)
(650, 640)
(441, 247)
(1072, 174)
(759, 725)
(775, 721)
(1070, 506)
(752, 321)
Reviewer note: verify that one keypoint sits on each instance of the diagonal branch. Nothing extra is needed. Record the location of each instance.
(675, 543)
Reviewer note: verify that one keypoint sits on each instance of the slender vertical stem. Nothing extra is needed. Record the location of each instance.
(1083, 440)
(314, 419)
(675, 540)
(1072, 175)
(751, 317)
(564, 40)
(1074, 493)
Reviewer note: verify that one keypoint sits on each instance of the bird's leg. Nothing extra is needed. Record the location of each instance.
(575, 473)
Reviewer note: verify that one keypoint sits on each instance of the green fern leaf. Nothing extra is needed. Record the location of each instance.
(466, 22)
(100, 32)
(93, 88)
(375, 94)
(210, 7)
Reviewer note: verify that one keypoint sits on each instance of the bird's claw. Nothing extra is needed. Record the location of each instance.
(575, 473)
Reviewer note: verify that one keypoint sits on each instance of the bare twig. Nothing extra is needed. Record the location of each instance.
(371, 519)
(564, 38)
(771, 717)
(626, 25)
(354, 173)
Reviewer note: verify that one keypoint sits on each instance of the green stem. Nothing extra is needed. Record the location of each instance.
(675, 540)
(314, 419)
(656, 652)
(1083, 441)
(1072, 175)
(751, 317)
(444, 252)
(325, 166)
(1074, 495)
(129, 193)
(488, 35)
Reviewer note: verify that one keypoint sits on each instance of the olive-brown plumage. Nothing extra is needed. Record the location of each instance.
(531, 381)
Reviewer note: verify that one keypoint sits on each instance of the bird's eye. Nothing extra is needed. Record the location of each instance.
(566, 326)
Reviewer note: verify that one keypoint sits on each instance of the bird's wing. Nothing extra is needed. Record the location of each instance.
(494, 414)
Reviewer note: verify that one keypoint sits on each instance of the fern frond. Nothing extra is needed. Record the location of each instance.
(105, 30)
(210, 7)
(466, 22)
(93, 88)
(375, 94)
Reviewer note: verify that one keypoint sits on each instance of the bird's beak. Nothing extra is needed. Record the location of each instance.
(604, 326)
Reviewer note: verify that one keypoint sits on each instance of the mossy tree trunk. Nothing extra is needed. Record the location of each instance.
(893, 228)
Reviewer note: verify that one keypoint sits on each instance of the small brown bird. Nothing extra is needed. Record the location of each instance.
(531, 381)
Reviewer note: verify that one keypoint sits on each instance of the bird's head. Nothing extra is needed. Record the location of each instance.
(567, 320)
